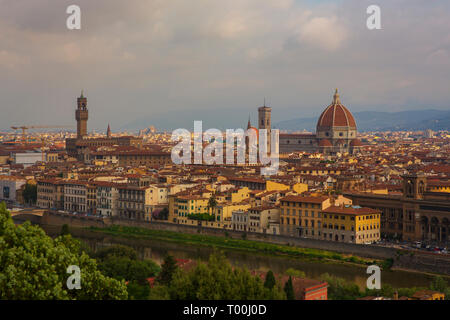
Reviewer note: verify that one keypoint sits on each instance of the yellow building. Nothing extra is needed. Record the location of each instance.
(272, 186)
(190, 204)
(300, 187)
(301, 215)
(352, 224)
(224, 212)
(438, 186)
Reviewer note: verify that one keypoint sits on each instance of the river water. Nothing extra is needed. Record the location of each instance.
(156, 250)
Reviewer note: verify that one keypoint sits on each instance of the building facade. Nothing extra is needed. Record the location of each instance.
(419, 214)
(353, 224)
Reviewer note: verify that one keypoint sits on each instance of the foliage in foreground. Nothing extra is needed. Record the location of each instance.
(216, 280)
(122, 263)
(34, 266)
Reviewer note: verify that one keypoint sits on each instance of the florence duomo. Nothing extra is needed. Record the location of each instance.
(335, 131)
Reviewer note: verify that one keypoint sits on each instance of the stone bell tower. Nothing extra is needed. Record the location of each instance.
(264, 122)
(81, 115)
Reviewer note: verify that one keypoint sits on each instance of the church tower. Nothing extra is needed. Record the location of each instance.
(414, 185)
(81, 115)
(264, 121)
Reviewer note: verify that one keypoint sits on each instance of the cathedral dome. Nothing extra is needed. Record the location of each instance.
(336, 115)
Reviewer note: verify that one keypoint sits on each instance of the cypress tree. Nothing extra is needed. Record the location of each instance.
(289, 289)
(270, 280)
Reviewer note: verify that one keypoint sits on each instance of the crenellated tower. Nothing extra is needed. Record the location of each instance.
(81, 115)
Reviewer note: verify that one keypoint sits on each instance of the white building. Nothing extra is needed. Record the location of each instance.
(75, 196)
(260, 219)
(239, 220)
(9, 186)
(107, 199)
(27, 158)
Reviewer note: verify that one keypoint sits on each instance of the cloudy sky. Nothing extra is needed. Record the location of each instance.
(169, 62)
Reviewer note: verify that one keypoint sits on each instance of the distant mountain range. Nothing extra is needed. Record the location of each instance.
(382, 121)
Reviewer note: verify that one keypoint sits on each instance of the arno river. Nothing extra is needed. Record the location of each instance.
(156, 251)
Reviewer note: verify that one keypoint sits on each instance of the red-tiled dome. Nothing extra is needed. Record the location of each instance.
(325, 143)
(356, 143)
(336, 115)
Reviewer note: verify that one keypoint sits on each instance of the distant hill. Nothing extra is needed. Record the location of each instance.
(381, 121)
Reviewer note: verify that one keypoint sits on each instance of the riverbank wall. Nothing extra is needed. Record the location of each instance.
(405, 259)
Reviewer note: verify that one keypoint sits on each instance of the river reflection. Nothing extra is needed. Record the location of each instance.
(156, 250)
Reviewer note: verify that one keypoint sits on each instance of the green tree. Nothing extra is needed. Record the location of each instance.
(439, 284)
(34, 266)
(212, 203)
(168, 269)
(270, 280)
(218, 280)
(116, 251)
(289, 289)
(137, 291)
(30, 193)
(339, 289)
(295, 273)
(121, 263)
(64, 230)
(159, 292)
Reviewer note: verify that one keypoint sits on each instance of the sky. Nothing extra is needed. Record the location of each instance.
(167, 63)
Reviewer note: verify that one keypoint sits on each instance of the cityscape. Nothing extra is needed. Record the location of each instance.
(344, 213)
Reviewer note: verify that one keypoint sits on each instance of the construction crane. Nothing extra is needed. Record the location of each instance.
(25, 128)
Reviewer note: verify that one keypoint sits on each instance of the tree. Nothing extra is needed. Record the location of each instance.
(218, 280)
(168, 269)
(30, 193)
(295, 273)
(159, 292)
(289, 289)
(116, 251)
(64, 230)
(439, 284)
(137, 291)
(270, 280)
(164, 214)
(212, 203)
(340, 289)
(122, 263)
(34, 266)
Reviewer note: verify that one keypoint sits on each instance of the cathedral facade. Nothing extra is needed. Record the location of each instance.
(335, 132)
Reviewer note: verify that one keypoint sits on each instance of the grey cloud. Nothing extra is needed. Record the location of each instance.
(149, 59)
